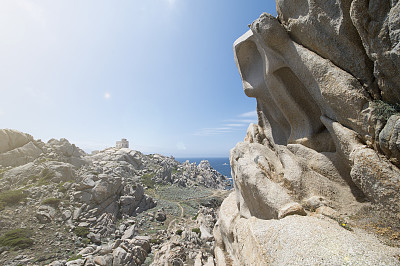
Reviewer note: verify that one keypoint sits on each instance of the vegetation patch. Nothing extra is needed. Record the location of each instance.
(2, 171)
(17, 238)
(147, 180)
(81, 231)
(178, 232)
(86, 241)
(43, 178)
(75, 257)
(10, 197)
(174, 170)
(52, 202)
(344, 224)
(197, 231)
(383, 110)
(155, 241)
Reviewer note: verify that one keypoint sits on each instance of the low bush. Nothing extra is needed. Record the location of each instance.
(17, 238)
(52, 202)
(147, 180)
(383, 110)
(178, 232)
(75, 257)
(10, 197)
(2, 171)
(81, 231)
(155, 241)
(197, 231)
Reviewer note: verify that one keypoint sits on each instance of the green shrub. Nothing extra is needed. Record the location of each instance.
(147, 180)
(86, 241)
(384, 110)
(75, 257)
(197, 231)
(345, 225)
(195, 217)
(2, 171)
(10, 197)
(43, 178)
(2, 205)
(174, 170)
(62, 189)
(178, 232)
(155, 241)
(81, 231)
(52, 202)
(17, 238)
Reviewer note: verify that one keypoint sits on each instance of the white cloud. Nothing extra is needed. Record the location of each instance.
(249, 114)
(236, 124)
(245, 121)
(107, 95)
(181, 146)
(213, 131)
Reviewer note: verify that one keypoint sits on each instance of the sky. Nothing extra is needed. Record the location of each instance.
(160, 73)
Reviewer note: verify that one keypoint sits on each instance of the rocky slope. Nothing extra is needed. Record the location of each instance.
(317, 180)
(62, 206)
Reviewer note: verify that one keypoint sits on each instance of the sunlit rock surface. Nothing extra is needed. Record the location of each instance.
(320, 169)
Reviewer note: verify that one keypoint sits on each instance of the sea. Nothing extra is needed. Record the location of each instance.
(221, 164)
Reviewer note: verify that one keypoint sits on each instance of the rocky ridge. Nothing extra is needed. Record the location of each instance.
(317, 179)
(116, 207)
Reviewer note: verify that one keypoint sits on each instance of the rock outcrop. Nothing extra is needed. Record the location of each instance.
(322, 163)
(103, 209)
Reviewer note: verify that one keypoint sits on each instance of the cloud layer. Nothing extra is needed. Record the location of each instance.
(239, 123)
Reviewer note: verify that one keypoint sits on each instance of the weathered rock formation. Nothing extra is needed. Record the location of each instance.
(322, 153)
(91, 209)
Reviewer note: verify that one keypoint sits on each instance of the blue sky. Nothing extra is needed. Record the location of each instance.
(160, 73)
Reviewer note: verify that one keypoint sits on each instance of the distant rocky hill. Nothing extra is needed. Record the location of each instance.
(58, 203)
(317, 179)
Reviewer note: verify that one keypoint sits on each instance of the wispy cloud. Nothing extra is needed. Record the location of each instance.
(237, 125)
(245, 121)
(230, 125)
(213, 131)
(107, 95)
(249, 114)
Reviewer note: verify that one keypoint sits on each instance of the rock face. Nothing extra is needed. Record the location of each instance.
(315, 162)
(90, 209)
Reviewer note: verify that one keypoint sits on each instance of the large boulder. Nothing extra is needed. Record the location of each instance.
(316, 155)
(12, 139)
(326, 28)
(294, 240)
(377, 23)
